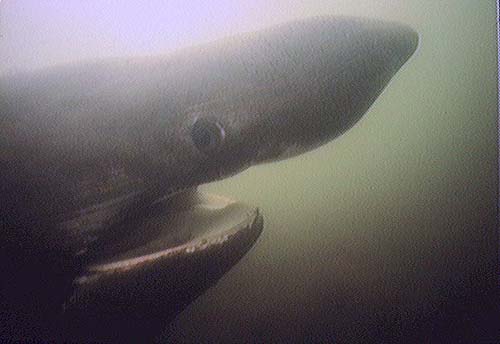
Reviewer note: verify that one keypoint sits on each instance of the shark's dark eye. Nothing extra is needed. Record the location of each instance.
(207, 135)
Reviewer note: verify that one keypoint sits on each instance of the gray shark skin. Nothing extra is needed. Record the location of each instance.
(88, 149)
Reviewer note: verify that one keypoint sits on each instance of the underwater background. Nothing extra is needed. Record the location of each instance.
(389, 231)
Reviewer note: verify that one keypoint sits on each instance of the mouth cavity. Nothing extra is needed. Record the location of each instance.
(176, 226)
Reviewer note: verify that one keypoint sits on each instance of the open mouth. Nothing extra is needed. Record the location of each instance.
(182, 248)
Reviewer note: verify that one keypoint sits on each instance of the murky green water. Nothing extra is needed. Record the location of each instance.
(387, 232)
(392, 224)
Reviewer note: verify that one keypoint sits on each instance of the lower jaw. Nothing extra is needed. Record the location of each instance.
(134, 294)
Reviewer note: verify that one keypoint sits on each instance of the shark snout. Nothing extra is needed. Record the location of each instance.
(291, 88)
(408, 41)
(396, 43)
(329, 71)
(351, 62)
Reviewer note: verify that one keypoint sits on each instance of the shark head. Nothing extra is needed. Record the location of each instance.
(95, 157)
(283, 91)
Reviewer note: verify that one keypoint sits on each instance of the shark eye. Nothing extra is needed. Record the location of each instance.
(207, 135)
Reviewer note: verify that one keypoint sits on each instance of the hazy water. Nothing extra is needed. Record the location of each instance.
(375, 234)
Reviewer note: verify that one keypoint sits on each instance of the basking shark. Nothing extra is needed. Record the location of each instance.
(103, 232)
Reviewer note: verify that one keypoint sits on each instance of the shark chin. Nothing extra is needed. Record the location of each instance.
(176, 252)
(130, 289)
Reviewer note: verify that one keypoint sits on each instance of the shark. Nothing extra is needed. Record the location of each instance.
(104, 234)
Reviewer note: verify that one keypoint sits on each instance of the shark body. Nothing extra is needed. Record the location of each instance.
(88, 149)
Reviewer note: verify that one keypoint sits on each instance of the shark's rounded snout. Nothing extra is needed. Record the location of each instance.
(411, 40)
(349, 63)
(317, 78)
(372, 48)
(402, 40)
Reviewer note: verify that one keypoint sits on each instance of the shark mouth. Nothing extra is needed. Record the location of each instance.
(182, 248)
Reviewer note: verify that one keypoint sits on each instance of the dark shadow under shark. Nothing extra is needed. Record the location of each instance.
(104, 235)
